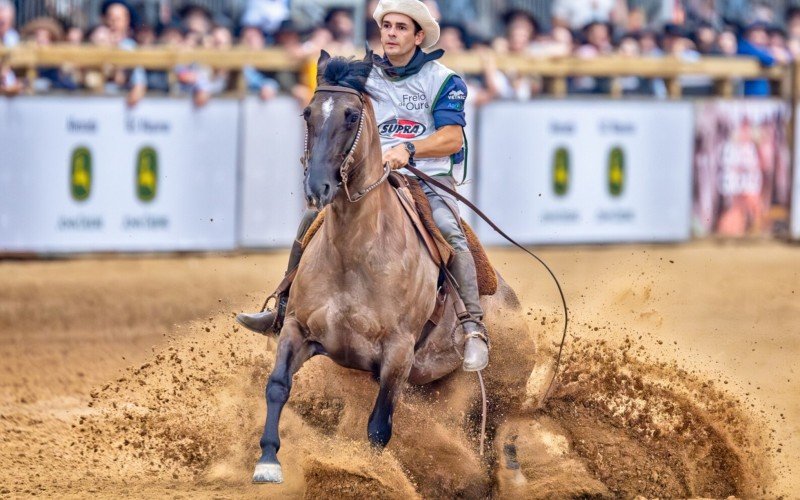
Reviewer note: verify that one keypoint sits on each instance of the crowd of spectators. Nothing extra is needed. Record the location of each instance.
(581, 28)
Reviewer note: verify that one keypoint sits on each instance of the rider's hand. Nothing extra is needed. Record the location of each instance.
(397, 157)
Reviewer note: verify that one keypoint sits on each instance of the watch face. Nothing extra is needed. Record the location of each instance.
(410, 148)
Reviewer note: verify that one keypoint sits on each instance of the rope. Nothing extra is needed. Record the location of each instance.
(483, 412)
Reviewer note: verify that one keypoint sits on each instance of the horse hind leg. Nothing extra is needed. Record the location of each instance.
(396, 366)
(292, 352)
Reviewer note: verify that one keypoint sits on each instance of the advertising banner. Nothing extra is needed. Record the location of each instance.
(90, 174)
(741, 168)
(586, 172)
(271, 199)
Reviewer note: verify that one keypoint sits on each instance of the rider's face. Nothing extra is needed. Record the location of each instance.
(397, 36)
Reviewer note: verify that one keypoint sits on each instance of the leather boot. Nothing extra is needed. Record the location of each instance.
(476, 347)
(271, 320)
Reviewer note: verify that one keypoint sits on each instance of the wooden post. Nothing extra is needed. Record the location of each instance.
(673, 87)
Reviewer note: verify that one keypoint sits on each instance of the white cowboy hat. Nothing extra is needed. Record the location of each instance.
(414, 9)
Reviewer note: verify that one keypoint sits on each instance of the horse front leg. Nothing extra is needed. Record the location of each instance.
(395, 367)
(293, 351)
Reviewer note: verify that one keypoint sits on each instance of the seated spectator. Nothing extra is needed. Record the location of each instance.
(145, 36)
(521, 28)
(43, 32)
(217, 81)
(8, 13)
(576, 14)
(253, 38)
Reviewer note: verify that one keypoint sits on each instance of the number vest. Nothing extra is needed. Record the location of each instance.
(404, 112)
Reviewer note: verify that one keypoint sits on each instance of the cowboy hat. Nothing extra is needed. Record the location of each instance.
(414, 9)
(44, 23)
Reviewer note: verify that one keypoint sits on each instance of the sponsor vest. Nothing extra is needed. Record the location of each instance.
(404, 112)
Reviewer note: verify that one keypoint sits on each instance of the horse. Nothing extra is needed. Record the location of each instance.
(365, 286)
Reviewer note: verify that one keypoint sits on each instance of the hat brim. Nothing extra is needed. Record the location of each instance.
(417, 11)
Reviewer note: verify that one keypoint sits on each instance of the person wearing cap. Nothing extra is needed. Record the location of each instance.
(419, 108)
(754, 42)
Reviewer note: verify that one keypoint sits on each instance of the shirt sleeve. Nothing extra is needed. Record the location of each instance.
(449, 106)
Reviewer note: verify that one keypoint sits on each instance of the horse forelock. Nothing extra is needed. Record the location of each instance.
(347, 72)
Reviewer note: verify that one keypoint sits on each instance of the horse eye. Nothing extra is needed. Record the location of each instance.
(352, 118)
(306, 113)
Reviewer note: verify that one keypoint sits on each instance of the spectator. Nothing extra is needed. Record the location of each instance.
(576, 14)
(339, 21)
(649, 44)
(755, 43)
(778, 45)
(266, 15)
(42, 32)
(253, 38)
(145, 36)
(8, 36)
(74, 35)
(171, 35)
(558, 44)
(597, 42)
(196, 19)
(119, 17)
(214, 82)
(705, 39)
(793, 23)
(727, 42)
(521, 28)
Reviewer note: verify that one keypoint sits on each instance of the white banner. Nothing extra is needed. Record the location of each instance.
(585, 172)
(271, 196)
(90, 174)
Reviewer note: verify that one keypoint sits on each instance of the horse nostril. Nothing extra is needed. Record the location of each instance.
(326, 188)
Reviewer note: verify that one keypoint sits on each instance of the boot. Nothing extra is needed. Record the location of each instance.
(476, 347)
(271, 320)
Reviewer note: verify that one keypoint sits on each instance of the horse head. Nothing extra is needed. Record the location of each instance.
(334, 121)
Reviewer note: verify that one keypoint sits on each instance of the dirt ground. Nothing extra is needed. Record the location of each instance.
(128, 376)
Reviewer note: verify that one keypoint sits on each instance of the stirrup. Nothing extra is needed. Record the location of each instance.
(483, 334)
(280, 302)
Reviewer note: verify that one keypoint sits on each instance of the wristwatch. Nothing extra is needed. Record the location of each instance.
(411, 151)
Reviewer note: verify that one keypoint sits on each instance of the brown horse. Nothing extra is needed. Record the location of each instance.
(365, 286)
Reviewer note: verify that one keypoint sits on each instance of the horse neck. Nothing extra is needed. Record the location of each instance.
(361, 221)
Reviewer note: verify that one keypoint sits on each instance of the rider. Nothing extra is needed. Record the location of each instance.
(419, 107)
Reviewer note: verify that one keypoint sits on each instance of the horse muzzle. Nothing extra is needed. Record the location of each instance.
(320, 191)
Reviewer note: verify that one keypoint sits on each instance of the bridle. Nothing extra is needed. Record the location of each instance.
(344, 168)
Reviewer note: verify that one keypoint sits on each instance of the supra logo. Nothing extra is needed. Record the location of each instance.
(561, 171)
(457, 95)
(401, 129)
(616, 171)
(81, 174)
(146, 174)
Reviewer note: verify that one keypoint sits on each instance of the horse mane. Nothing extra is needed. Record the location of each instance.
(347, 72)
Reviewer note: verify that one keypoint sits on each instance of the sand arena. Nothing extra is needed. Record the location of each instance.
(128, 376)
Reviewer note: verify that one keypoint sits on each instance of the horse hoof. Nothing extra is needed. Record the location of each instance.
(268, 473)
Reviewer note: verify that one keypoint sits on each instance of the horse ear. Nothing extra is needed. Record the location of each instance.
(323, 58)
(369, 53)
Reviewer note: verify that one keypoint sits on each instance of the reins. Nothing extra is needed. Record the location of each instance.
(344, 168)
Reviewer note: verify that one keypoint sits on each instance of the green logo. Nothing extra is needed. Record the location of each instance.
(616, 171)
(561, 171)
(146, 174)
(81, 174)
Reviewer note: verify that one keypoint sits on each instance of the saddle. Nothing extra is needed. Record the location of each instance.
(418, 209)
